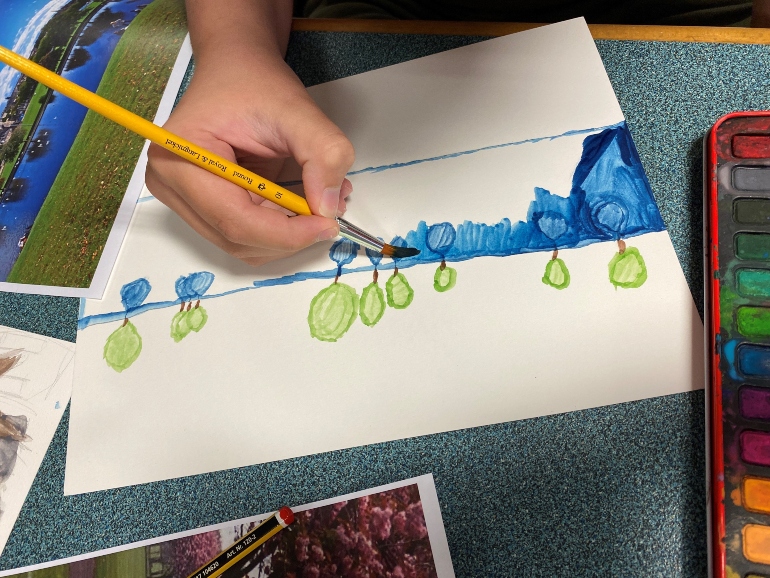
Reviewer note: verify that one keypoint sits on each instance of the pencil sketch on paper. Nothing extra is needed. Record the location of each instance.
(13, 428)
(35, 384)
(12, 433)
(32, 399)
(609, 200)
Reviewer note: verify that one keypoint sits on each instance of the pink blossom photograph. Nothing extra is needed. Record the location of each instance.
(393, 531)
(382, 535)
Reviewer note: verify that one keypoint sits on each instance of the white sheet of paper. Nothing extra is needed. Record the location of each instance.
(430, 508)
(35, 385)
(133, 191)
(500, 346)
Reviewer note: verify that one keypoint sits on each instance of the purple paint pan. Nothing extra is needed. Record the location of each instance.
(755, 447)
(755, 402)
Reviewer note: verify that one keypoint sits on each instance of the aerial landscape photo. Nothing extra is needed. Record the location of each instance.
(64, 170)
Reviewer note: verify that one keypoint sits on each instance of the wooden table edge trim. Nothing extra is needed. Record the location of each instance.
(712, 34)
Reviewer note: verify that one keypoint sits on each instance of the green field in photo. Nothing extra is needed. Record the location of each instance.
(126, 564)
(70, 231)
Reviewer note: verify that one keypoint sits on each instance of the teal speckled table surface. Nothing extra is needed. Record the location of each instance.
(611, 491)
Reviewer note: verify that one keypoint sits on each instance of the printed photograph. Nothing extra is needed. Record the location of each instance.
(382, 535)
(63, 170)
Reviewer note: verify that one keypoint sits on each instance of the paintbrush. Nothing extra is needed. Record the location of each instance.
(350, 231)
(191, 152)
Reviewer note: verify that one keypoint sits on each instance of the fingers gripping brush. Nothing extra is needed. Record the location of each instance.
(191, 152)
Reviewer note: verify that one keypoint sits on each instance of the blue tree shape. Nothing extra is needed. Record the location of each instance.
(552, 224)
(440, 238)
(334, 309)
(372, 303)
(180, 286)
(190, 288)
(610, 216)
(398, 242)
(398, 290)
(374, 256)
(552, 220)
(133, 294)
(124, 345)
(196, 284)
(343, 252)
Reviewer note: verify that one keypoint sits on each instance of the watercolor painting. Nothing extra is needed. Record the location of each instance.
(517, 179)
(63, 170)
(389, 532)
(609, 200)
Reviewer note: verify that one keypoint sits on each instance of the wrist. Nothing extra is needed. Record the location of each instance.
(240, 28)
(237, 55)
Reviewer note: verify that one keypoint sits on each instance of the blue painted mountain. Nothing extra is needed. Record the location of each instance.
(610, 199)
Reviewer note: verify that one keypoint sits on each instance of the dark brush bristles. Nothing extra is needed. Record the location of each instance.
(399, 252)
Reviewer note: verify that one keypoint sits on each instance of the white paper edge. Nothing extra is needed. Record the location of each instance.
(430, 507)
(123, 218)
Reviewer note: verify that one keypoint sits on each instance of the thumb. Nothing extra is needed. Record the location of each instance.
(325, 155)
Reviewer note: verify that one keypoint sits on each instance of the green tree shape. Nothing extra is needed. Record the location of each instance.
(180, 325)
(124, 345)
(187, 320)
(556, 273)
(198, 317)
(188, 288)
(335, 308)
(399, 292)
(444, 278)
(397, 288)
(372, 306)
(627, 268)
(333, 311)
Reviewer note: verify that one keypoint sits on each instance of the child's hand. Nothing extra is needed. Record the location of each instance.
(244, 103)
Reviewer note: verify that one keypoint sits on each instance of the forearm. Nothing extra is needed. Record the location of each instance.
(760, 16)
(238, 29)
(245, 103)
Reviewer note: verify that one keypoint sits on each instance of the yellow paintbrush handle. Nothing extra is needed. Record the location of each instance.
(191, 152)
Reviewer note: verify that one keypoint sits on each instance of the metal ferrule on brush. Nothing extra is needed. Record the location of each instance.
(350, 231)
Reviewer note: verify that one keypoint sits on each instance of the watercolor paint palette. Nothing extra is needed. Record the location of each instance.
(737, 190)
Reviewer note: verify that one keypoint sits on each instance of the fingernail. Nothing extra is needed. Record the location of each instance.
(330, 200)
(346, 189)
(326, 235)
